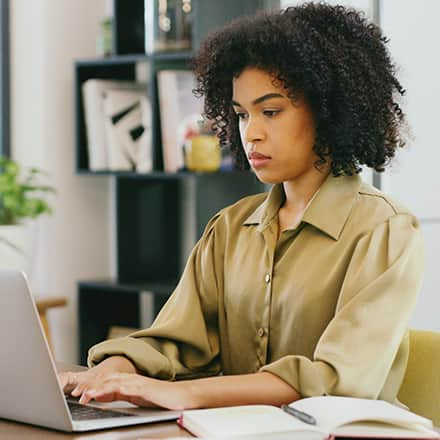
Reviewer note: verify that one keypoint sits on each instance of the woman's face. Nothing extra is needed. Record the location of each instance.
(277, 134)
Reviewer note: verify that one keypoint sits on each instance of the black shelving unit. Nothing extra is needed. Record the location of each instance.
(123, 68)
(151, 245)
(207, 15)
(106, 303)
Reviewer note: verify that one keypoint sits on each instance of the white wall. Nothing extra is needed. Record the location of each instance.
(46, 37)
(414, 179)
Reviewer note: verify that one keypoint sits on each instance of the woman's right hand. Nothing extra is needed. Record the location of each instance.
(74, 382)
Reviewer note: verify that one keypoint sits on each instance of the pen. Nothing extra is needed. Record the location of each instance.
(304, 417)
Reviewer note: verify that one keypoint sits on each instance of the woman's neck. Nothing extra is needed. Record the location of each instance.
(300, 191)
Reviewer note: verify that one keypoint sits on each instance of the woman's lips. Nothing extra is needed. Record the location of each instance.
(258, 160)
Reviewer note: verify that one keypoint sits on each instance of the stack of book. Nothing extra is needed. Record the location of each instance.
(118, 124)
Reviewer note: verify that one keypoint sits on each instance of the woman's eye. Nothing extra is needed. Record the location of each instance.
(241, 115)
(270, 113)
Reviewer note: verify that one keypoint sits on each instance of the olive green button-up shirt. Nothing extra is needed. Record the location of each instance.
(325, 306)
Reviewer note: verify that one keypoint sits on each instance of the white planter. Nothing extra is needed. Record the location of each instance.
(20, 236)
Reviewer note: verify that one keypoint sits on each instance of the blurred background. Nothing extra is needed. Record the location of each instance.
(119, 234)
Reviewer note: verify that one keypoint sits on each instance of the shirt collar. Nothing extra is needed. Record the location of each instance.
(268, 210)
(328, 211)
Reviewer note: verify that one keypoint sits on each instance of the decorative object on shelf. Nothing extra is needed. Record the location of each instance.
(127, 131)
(118, 125)
(168, 25)
(21, 198)
(105, 37)
(202, 153)
(179, 111)
(202, 149)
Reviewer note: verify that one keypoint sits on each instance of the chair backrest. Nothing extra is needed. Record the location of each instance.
(420, 389)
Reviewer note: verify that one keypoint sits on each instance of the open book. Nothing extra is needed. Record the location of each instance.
(336, 417)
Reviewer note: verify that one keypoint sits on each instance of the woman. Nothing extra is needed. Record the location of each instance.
(307, 290)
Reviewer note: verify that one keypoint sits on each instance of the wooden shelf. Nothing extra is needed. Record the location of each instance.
(135, 58)
(110, 285)
(132, 174)
(161, 174)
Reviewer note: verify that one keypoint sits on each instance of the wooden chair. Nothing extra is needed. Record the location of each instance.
(42, 306)
(420, 389)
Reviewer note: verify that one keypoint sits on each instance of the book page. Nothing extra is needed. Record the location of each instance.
(379, 430)
(239, 421)
(331, 412)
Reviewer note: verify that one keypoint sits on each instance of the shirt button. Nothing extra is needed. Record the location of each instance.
(267, 278)
(260, 332)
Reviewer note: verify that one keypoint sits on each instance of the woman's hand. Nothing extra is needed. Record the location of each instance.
(140, 390)
(116, 378)
(74, 383)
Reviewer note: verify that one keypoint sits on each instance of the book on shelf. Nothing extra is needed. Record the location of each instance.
(99, 132)
(334, 417)
(128, 132)
(180, 111)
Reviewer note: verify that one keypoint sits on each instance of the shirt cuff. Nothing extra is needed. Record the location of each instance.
(308, 378)
(145, 358)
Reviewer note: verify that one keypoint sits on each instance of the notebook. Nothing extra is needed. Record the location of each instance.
(336, 418)
(29, 387)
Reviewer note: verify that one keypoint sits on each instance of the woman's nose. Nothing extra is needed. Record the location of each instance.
(254, 131)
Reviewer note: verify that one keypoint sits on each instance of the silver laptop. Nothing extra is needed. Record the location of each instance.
(29, 387)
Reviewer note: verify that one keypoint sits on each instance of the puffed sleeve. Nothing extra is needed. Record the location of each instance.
(357, 350)
(183, 341)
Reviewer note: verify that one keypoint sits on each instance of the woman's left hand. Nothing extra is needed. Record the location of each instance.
(141, 391)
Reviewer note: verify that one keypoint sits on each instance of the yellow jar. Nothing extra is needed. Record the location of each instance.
(202, 153)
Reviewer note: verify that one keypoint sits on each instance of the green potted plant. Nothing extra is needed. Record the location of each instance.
(22, 197)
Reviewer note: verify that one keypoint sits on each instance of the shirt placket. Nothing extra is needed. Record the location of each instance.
(263, 330)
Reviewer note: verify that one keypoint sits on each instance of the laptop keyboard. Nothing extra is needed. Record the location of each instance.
(83, 412)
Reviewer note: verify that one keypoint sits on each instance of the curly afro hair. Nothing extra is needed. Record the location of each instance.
(330, 55)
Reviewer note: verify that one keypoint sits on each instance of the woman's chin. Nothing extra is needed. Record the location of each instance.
(267, 177)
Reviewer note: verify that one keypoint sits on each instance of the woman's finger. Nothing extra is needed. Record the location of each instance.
(79, 389)
(118, 387)
(68, 381)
